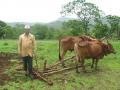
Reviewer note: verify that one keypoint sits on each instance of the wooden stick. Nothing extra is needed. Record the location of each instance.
(50, 70)
(45, 63)
(58, 71)
(42, 77)
(60, 62)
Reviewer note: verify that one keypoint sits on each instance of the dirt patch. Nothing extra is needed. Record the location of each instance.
(4, 64)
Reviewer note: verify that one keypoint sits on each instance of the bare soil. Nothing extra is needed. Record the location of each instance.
(4, 64)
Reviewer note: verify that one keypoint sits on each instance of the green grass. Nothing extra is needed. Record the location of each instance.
(106, 78)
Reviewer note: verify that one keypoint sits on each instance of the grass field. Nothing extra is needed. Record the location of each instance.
(106, 78)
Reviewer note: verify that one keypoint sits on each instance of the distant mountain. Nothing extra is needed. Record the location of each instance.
(63, 19)
(14, 23)
(56, 24)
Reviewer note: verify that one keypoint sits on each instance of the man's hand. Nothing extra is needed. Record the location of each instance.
(34, 55)
(20, 56)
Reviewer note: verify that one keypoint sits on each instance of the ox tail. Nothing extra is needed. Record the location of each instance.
(59, 49)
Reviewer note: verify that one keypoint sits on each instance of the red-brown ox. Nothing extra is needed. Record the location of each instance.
(91, 49)
(67, 44)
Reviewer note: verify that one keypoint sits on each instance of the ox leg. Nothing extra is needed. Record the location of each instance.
(82, 64)
(96, 63)
(62, 58)
(77, 63)
(93, 61)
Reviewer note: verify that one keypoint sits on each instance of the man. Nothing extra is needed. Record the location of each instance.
(26, 49)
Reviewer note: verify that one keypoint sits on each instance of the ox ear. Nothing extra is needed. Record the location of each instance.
(83, 44)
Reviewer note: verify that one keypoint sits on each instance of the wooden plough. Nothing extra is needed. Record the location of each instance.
(47, 69)
(50, 70)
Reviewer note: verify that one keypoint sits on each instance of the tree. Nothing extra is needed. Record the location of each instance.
(2, 29)
(17, 30)
(9, 33)
(100, 30)
(50, 33)
(5, 30)
(114, 23)
(75, 27)
(40, 31)
(85, 12)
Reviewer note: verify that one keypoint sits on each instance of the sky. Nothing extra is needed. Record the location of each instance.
(46, 10)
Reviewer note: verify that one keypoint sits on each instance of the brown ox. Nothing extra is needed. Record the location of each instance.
(67, 44)
(91, 49)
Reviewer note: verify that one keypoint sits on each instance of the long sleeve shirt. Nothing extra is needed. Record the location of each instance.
(26, 45)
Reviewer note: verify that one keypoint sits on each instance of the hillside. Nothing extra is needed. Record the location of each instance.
(56, 24)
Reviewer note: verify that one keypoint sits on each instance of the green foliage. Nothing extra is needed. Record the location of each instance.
(6, 31)
(14, 32)
(114, 22)
(45, 32)
(71, 7)
(9, 32)
(75, 27)
(3, 30)
(40, 31)
(83, 10)
(100, 30)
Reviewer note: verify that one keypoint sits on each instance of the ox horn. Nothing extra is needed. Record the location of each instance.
(103, 38)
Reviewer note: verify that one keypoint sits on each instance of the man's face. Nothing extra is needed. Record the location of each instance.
(27, 31)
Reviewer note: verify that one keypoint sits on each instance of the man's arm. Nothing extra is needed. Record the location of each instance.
(34, 45)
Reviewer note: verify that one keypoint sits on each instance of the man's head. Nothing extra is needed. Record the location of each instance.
(27, 29)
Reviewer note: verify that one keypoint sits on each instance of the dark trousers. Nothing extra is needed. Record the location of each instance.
(27, 60)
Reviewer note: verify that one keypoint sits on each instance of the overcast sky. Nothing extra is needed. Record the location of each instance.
(45, 10)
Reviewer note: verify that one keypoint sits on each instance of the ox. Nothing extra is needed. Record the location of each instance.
(91, 49)
(67, 44)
